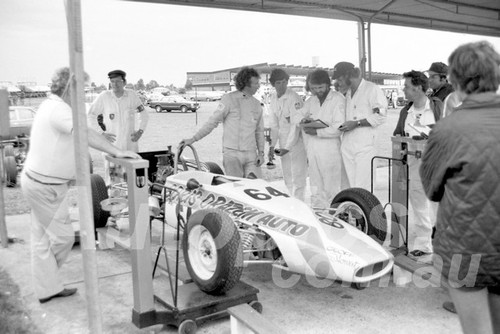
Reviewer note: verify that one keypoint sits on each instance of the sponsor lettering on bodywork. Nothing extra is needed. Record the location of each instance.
(197, 199)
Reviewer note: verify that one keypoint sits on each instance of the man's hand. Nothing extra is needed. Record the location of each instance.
(185, 142)
(127, 154)
(348, 126)
(136, 135)
(306, 120)
(282, 152)
(260, 160)
(311, 131)
(109, 137)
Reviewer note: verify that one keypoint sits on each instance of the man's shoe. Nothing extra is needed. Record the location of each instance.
(420, 256)
(64, 293)
(450, 307)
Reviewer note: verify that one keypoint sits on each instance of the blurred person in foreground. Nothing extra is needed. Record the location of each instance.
(365, 110)
(48, 171)
(322, 144)
(418, 116)
(243, 127)
(124, 118)
(460, 171)
(285, 104)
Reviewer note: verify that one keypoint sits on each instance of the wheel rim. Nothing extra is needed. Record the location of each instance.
(202, 252)
(183, 108)
(352, 214)
(158, 109)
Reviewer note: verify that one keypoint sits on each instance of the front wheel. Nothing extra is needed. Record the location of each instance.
(212, 251)
(361, 209)
(184, 108)
(158, 109)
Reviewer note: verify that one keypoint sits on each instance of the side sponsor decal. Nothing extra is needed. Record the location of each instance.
(196, 199)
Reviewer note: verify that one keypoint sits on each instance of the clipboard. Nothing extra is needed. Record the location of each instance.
(315, 124)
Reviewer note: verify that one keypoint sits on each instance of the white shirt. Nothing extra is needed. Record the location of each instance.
(120, 116)
(52, 152)
(331, 112)
(419, 118)
(283, 110)
(367, 97)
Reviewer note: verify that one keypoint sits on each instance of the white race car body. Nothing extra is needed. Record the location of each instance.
(311, 242)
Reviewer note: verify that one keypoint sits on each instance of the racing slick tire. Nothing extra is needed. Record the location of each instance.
(99, 193)
(10, 171)
(214, 168)
(158, 109)
(365, 210)
(212, 251)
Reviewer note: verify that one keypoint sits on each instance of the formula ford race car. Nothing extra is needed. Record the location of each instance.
(229, 222)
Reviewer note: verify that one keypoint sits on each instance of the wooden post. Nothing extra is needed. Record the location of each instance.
(87, 237)
(4, 129)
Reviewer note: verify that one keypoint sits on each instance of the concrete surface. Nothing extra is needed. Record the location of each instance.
(307, 306)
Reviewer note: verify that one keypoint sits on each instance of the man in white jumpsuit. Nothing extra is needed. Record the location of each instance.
(365, 110)
(48, 171)
(123, 116)
(284, 107)
(243, 132)
(323, 144)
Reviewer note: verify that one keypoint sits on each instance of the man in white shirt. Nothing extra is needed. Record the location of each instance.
(284, 108)
(420, 113)
(323, 144)
(48, 170)
(365, 110)
(120, 109)
(243, 132)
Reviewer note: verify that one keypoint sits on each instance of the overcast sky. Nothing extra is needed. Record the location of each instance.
(163, 42)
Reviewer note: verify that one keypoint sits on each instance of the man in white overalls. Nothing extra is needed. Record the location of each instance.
(120, 109)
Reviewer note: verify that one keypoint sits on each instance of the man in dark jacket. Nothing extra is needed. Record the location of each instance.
(460, 171)
(438, 82)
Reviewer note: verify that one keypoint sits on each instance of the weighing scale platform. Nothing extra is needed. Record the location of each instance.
(197, 306)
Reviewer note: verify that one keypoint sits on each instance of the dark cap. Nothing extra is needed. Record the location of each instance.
(117, 73)
(341, 69)
(439, 68)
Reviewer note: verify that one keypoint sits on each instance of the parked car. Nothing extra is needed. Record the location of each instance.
(175, 102)
(21, 119)
(202, 95)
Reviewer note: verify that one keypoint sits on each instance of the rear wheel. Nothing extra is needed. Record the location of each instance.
(10, 171)
(212, 251)
(158, 108)
(99, 193)
(363, 210)
(184, 108)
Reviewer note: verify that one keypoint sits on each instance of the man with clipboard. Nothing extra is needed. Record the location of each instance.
(323, 113)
